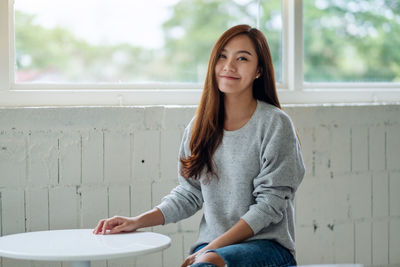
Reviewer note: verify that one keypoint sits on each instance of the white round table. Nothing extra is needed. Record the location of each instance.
(80, 246)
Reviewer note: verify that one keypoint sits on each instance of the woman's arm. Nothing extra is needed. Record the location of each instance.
(150, 218)
(119, 224)
(238, 233)
(185, 199)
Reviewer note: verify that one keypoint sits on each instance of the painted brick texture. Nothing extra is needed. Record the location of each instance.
(79, 165)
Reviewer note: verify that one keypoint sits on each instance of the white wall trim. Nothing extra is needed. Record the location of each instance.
(23, 98)
(4, 45)
(293, 11)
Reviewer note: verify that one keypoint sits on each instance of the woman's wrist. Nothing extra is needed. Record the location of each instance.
(239, 232)
(150, 218)
(211, 245)
(140, 221)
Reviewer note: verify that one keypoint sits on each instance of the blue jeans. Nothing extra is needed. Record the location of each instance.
(254, 253)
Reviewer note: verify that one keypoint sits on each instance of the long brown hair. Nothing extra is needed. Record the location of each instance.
(208, 126)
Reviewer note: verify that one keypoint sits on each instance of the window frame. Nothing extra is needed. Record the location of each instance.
(292, 89)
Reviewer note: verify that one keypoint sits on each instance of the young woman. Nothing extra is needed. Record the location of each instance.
(240, 160)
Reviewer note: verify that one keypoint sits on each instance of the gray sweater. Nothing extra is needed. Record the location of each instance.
(259, 168)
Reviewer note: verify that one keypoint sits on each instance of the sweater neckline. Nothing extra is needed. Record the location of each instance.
(234, 132)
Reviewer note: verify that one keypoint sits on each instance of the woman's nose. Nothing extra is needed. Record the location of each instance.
(229, 65)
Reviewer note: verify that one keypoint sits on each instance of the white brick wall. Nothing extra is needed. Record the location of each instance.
(117, 167)
(75, 166)
(12, 159)
(70, 154)
(13, 211)
(363, 242)
(92, 157)
(37, 214)
(63, 207)
(380, 244)
(355, 160)
(146, 155)
(93, 205)
(42, 158)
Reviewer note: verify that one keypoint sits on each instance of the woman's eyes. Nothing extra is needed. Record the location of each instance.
(239, 58)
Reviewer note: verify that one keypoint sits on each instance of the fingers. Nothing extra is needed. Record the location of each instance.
(188, 261)
(118, 229)
(99, 227)
(184, 264)
(107, 224)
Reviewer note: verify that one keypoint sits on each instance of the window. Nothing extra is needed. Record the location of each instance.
(351, 41)
(96, 53)
(129, 41)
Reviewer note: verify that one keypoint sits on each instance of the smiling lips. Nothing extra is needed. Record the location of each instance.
(229, 77)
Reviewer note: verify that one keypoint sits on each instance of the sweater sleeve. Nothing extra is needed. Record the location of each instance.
(282, 170)
(185, 199)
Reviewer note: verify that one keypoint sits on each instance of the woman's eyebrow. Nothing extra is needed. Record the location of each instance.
(243, 51)
(239, 52)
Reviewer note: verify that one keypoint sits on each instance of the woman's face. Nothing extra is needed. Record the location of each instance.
(237, 66)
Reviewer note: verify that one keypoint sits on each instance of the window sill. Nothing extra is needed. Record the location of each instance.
(129, 97)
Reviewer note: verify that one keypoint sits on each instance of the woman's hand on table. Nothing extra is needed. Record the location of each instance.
(116, 224)
(119, 224)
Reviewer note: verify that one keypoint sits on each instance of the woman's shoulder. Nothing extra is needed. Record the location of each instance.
(272, 114)
(189, 126)
(275, 123)
(187, 133)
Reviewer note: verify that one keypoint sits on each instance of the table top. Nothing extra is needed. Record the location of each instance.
(80, 245)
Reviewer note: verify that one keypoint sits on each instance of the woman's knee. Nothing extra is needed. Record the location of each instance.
(211, 257)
